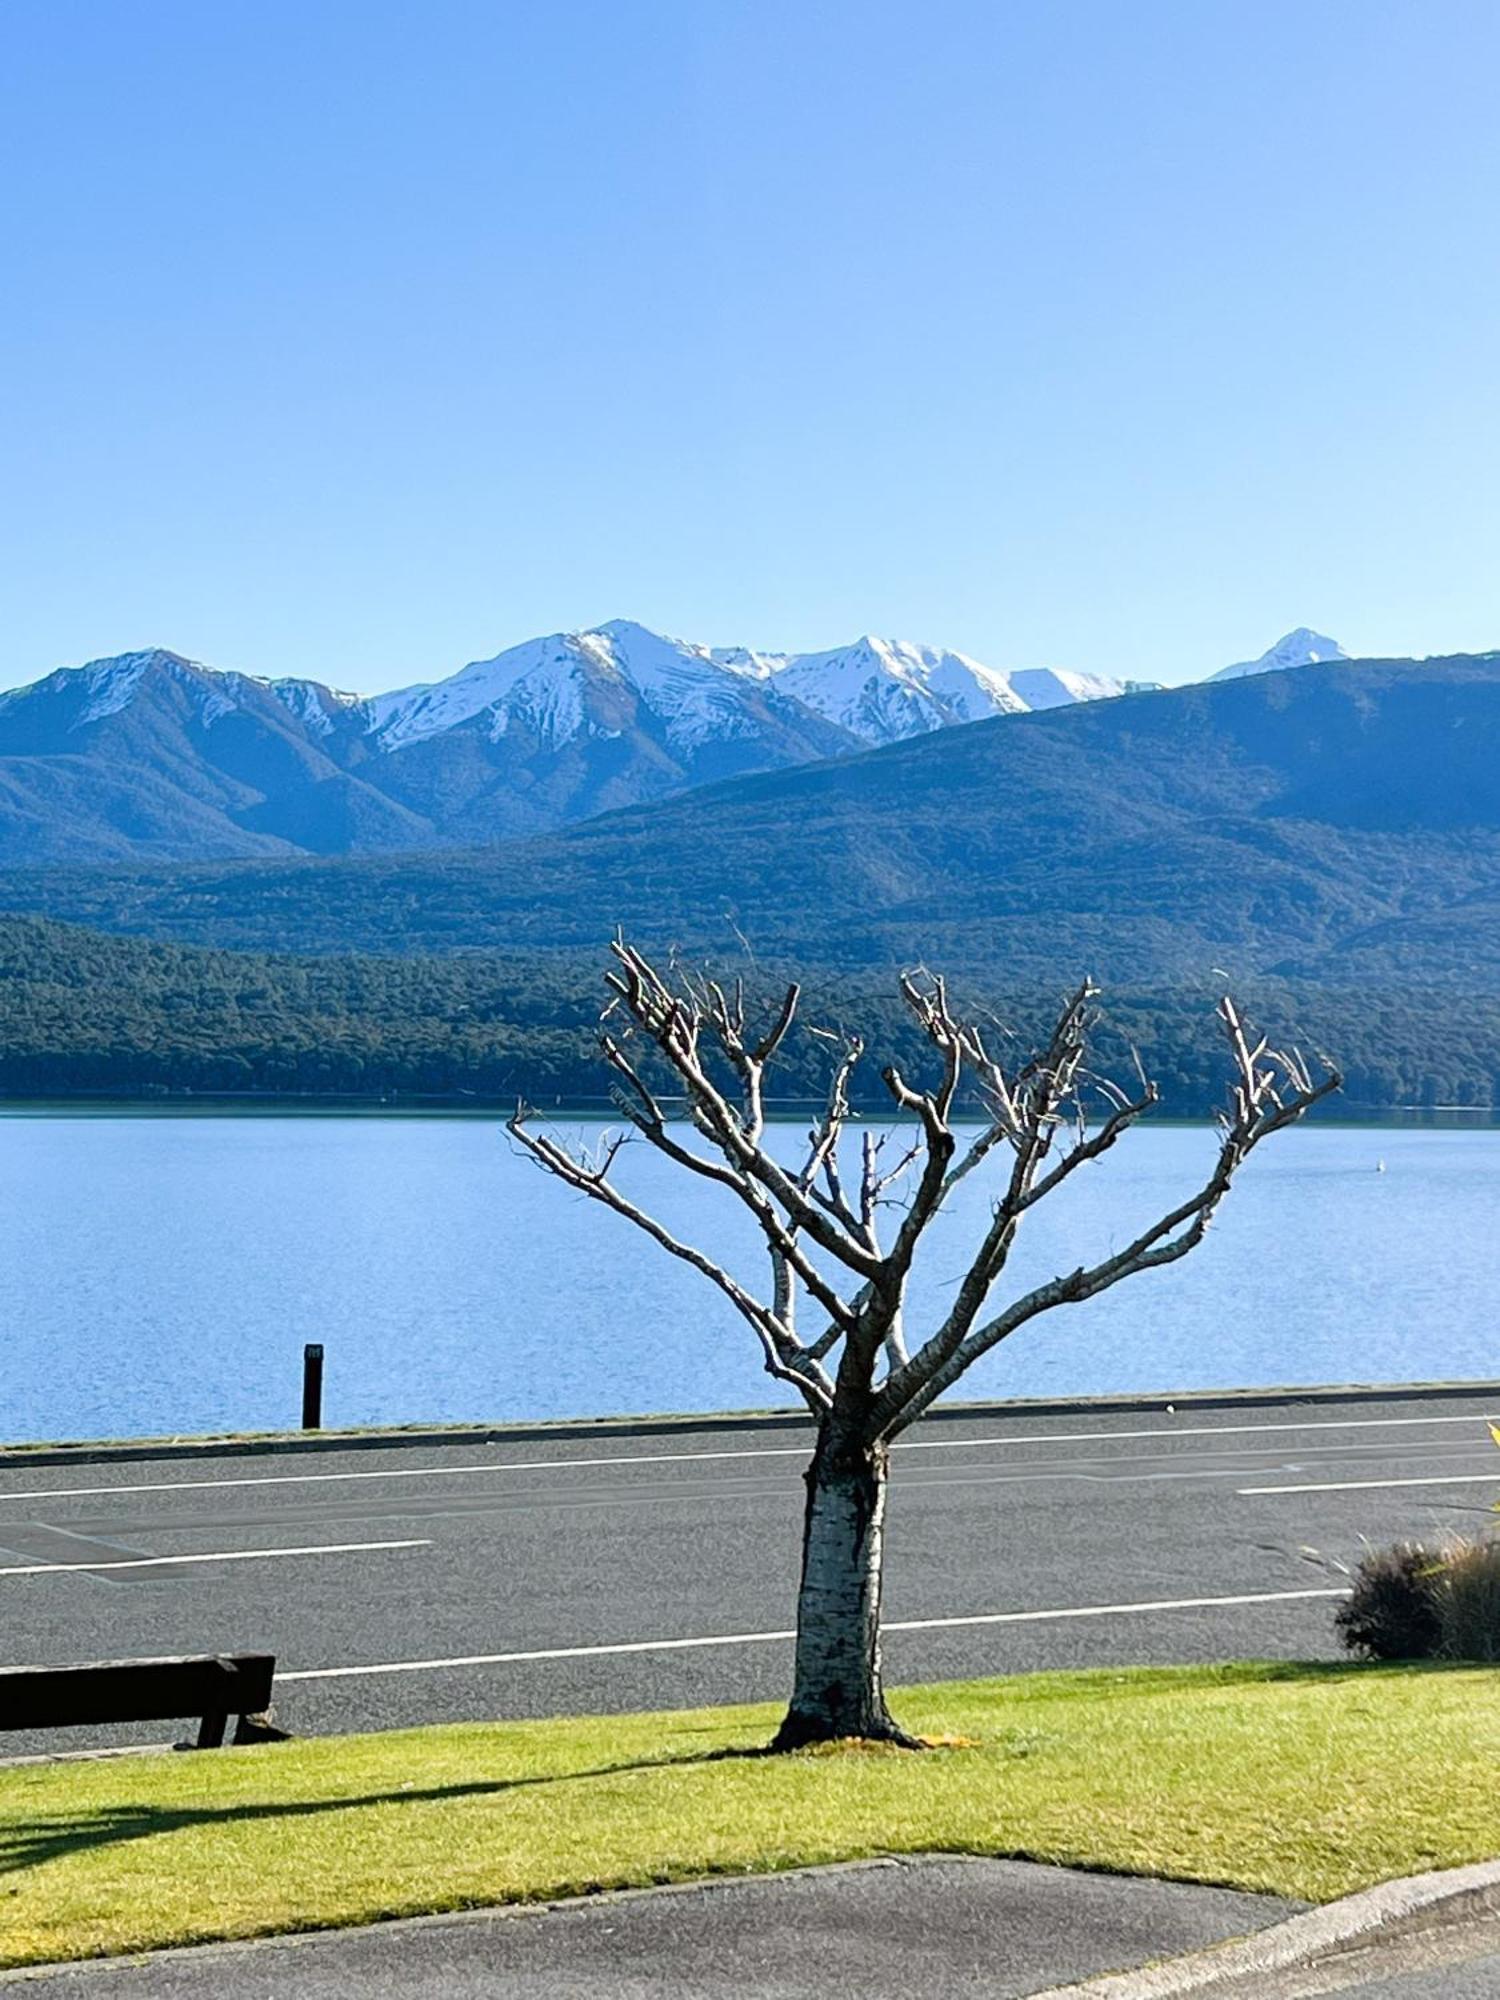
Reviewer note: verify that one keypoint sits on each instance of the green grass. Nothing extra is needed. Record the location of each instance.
(1309, 1781)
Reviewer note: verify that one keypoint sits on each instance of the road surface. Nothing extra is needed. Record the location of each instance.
(410, 1585)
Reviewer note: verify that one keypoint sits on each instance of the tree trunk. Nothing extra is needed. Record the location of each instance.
(836, 1688)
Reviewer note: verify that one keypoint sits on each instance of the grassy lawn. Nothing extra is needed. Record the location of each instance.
(1311, 1781)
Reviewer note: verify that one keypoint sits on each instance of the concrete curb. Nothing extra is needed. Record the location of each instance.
(570, 1430)
(1413, 1903)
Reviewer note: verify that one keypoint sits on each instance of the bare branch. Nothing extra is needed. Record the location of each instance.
(781, 1239)
(769, 1043)
(674, 1024)
(1051, 1113)
(1269, 1092)
(784, 1355)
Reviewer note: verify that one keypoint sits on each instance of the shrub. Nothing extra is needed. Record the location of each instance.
(1391, 1612)
(1467, 1594)
(1414, 1603)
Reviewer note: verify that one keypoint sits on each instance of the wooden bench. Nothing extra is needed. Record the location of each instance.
(212, 1686)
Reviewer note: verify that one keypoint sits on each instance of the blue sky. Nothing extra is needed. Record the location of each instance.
(360, 340)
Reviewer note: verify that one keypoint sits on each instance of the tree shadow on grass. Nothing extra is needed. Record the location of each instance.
(41, 1840)
(48, 1839)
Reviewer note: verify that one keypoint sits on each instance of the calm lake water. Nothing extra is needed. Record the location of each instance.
(160, 1274)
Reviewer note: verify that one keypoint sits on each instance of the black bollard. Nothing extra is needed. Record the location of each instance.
(312, 1386)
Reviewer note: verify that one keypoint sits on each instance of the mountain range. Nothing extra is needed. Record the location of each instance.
(151, 755)
(1324, 841)
(1338, 824)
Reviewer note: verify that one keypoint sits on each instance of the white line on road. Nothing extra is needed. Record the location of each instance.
(406, 1472)
(761, 1451)
(767, 1638)
(217, 1556)
(1490, 1478)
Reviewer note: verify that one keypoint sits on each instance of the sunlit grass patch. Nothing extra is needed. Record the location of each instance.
(1306, 1781)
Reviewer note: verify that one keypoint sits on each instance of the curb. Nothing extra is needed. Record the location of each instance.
(1399, 1909)
(568, 1430)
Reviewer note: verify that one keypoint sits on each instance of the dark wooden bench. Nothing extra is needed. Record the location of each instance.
(211, 1686)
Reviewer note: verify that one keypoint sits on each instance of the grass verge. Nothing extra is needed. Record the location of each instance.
(1310, 1781)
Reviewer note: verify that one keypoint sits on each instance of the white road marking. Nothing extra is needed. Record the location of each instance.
(768, 1638)
(217, 1556)
(1491, 1478)
(763, 1451)
(404, 1472)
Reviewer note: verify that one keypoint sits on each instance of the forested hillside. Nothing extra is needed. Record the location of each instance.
(83, 1015)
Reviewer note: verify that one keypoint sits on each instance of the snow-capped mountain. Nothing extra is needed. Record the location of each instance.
(1055, 687)
(151, 753)
(875, 691)
(551, 687)
(1302, 648)
(882, 690)
(73, 697)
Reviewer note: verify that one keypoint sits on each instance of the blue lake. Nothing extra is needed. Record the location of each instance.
(161, 1274)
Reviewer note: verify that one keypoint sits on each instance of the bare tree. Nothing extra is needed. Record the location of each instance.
(841, 1228)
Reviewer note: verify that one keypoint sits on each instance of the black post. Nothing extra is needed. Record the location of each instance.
(312, 1386)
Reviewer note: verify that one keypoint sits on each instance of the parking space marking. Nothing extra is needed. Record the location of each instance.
(216, 1556)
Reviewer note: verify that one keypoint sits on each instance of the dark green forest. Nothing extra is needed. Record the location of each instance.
(84, 1015)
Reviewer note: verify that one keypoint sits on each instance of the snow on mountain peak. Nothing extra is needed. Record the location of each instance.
(885, 689)
(878, 690)
(111, 683)
(316, 707)
(408, 714)
(1300, 648)
(596, 682)
(108, 687)
(543, 683)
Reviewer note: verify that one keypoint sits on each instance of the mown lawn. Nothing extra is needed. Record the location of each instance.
(1309, 1781)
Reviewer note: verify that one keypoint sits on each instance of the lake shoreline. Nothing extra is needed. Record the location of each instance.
(294, 1105)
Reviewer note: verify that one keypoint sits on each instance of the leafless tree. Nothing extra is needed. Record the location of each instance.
(841, 1228)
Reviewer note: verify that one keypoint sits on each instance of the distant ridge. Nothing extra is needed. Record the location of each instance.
(149, 754)
(1338, 824)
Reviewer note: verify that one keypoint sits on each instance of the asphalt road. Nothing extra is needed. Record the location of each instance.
(1479, 1979)
(411, 1585)
(881, 1931)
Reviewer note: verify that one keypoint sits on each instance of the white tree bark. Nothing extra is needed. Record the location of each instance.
(836, 1680)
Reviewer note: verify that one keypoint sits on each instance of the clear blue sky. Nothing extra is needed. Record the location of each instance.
(360, 338)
